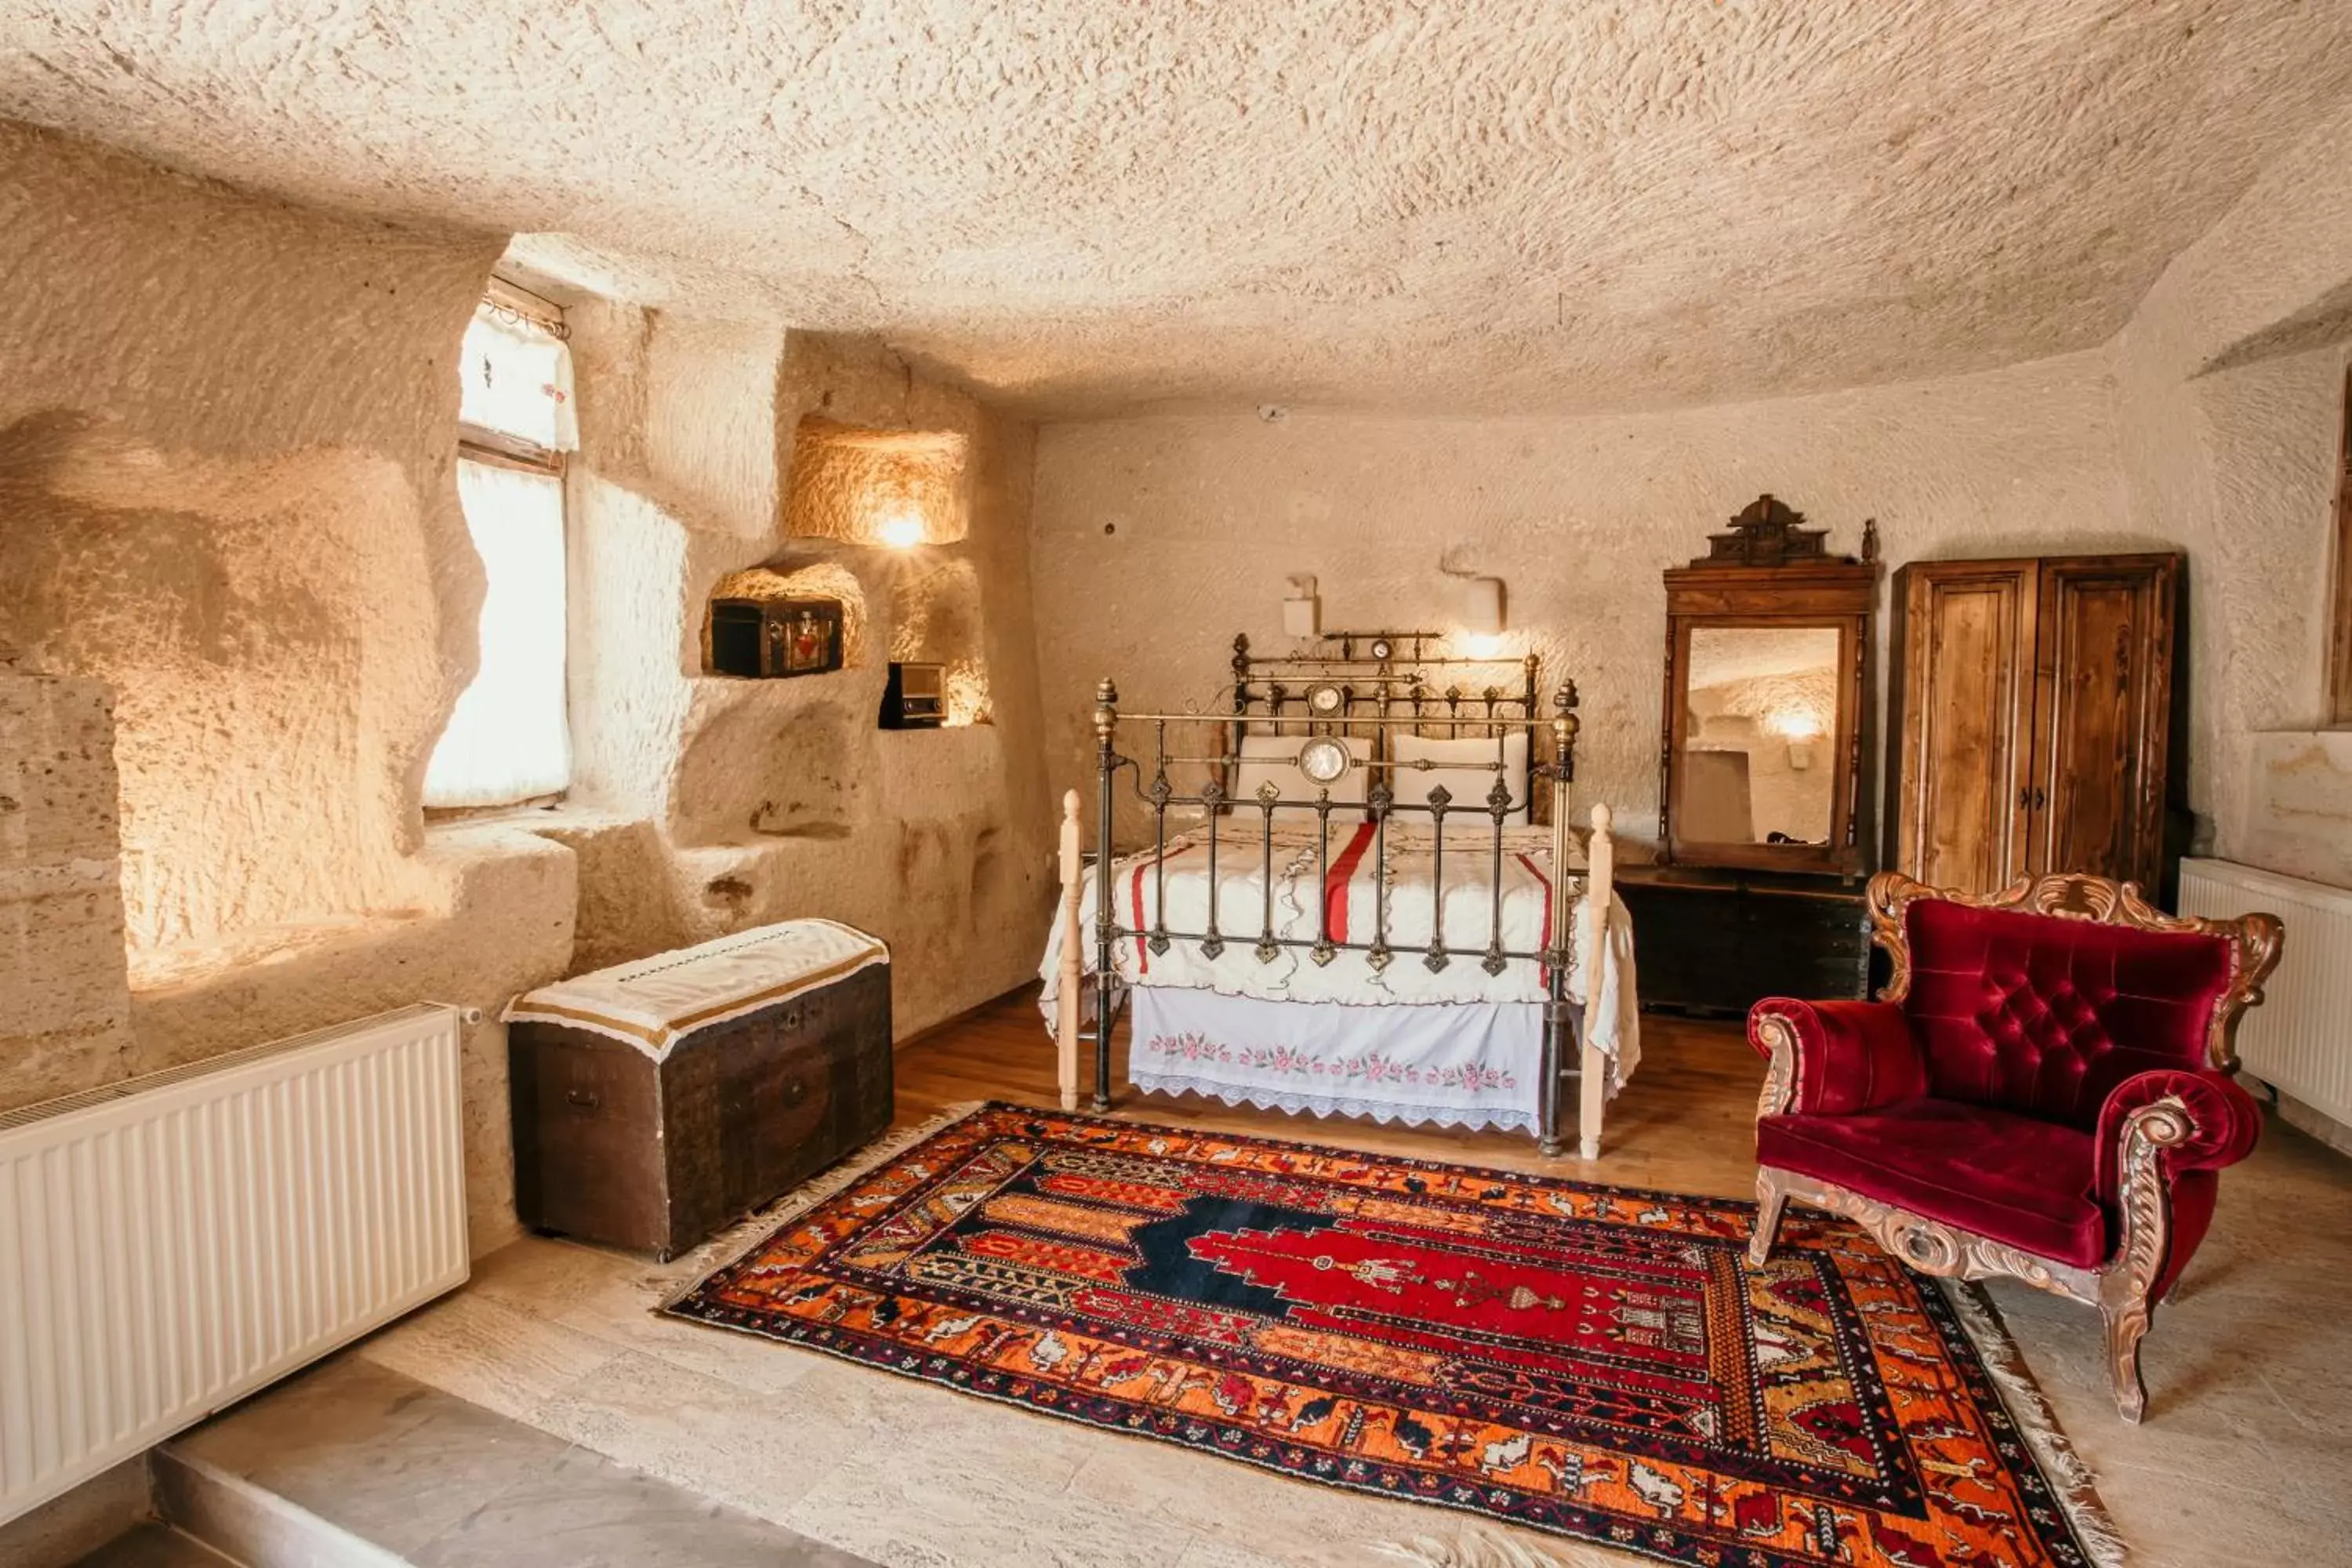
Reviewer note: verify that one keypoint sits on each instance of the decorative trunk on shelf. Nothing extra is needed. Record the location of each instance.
(2035, 718)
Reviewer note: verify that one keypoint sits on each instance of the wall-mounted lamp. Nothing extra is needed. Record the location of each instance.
(1482, 616)
(1302, 612)
(900, 529)
(1801, 727)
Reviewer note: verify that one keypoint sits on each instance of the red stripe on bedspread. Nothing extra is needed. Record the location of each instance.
(1335, 885)
(1543, 971)
(1143, 943)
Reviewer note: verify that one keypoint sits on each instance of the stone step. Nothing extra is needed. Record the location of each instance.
(353, 1466)
(155, 1546)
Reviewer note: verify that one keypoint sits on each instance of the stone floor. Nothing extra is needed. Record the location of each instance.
(353, 1464)
(2246, 1457)
(154, 1546)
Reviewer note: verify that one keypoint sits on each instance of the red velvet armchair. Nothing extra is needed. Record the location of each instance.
(2043, 1091)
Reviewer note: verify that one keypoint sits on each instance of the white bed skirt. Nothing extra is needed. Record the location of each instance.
(1461, 1064)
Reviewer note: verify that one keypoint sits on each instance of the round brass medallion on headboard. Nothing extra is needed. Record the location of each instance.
(1324, 760)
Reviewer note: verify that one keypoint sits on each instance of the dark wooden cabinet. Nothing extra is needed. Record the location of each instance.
(615, 1146)
(2035, 718)
(1714, 941)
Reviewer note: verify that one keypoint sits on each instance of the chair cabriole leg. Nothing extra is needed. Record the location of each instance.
(2127, 1324)
(1770, 1202)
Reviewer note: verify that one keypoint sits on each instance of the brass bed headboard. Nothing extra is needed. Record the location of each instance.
(1374, 685)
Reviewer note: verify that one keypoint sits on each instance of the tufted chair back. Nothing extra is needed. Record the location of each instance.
(2041, 1016)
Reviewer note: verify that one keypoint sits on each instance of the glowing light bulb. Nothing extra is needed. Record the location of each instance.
(1796, 724)
(1488, 645)
(901, 531)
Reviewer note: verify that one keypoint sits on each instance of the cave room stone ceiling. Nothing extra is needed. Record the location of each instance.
(1080, 208)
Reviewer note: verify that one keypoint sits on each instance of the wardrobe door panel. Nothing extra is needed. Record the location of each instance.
(1967, 693)
(2102, 680)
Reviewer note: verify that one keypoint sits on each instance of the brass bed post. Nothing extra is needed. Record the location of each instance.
(1105, 924)
(1560, 1034)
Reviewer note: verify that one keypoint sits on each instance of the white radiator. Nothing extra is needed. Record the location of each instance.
(171, 1244)
(2300, 1039)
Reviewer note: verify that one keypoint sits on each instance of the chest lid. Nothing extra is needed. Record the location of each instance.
(655, 1002)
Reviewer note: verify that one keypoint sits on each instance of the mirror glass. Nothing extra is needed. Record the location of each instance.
(1759, 721)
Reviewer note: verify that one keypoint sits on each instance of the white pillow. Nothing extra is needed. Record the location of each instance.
(1466, 768)
(1273, 759)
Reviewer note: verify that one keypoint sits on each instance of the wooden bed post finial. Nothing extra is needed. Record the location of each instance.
(1069, 980)
(1600, 897)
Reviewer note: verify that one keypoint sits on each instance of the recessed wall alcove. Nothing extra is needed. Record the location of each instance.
(936, 617)
(863, 485)
(806, 580)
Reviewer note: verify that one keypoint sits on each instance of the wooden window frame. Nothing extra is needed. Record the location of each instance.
(2340, 657)
(492, 446)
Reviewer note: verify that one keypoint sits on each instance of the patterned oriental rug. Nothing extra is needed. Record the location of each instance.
(1585, 1360)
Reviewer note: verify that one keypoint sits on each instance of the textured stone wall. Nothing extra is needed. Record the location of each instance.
(1157, 539)
(225, 444)
(2209, 424)
(773, 799)
(65, 996)
(2230, 398)
(226, 436)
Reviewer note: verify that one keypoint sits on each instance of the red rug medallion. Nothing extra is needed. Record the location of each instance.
(1585, 1360)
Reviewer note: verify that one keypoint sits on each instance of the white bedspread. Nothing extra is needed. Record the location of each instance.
(1350, 885)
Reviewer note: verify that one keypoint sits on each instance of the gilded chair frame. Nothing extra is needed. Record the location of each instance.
(2122, 1288)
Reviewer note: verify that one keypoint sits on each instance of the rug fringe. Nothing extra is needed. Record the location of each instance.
(2029, 1408)
(732, 1244)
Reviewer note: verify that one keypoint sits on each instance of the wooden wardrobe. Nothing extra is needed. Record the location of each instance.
(2037, 714)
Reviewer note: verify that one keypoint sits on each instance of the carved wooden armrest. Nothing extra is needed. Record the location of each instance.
(2179, 1120)
(2154, 1129)
(1833, 1058)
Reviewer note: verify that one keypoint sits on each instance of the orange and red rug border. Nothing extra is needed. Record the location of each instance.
(828, 1215)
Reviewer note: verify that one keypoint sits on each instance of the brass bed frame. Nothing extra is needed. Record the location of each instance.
(1388, 688)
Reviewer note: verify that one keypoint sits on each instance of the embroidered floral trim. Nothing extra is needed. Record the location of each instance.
(1371, 1067)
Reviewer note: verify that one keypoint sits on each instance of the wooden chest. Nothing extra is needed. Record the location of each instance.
(656, 1102)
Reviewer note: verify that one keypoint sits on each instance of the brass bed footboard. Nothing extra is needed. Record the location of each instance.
(1375, 706)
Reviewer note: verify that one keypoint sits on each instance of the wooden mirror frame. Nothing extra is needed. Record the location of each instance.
(1771, 572)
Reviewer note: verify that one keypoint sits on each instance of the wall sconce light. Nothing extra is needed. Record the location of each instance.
(1302, 612)
(901, 530)
(1482, 616)
(1801, 727)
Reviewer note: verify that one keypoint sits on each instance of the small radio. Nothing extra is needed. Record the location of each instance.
(917, 697)
(763, 639)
